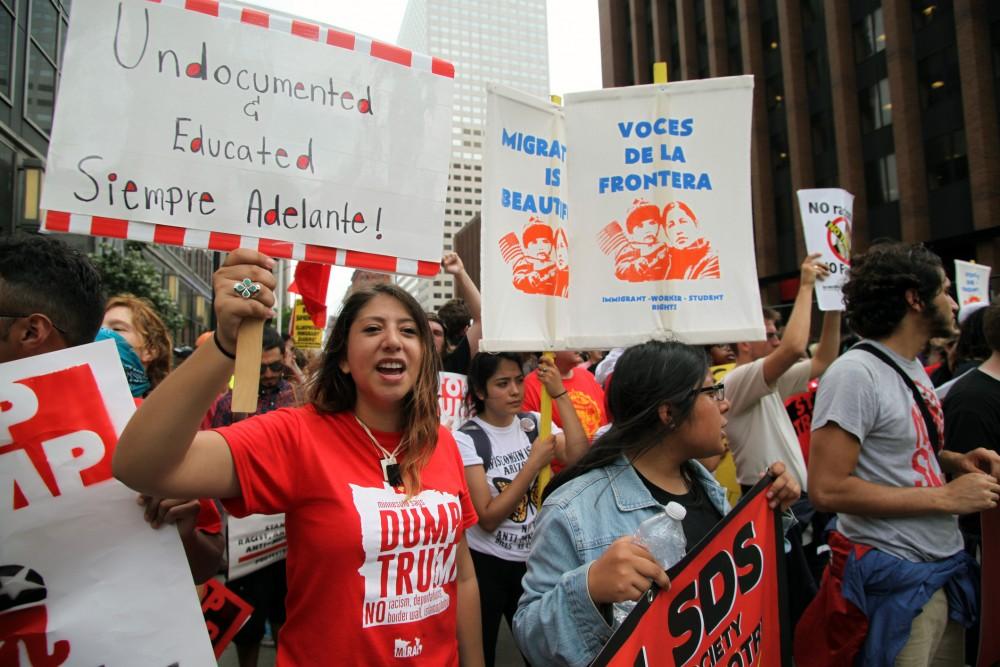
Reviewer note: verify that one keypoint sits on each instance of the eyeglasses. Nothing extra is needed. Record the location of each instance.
(274, 367)
(716, 391)
(17, 316)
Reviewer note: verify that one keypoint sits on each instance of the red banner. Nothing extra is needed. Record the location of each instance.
(225, 613)
(725, 602)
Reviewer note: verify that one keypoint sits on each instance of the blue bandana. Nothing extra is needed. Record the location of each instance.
(135, 373)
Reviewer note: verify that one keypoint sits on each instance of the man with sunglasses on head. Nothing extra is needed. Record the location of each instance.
(265, 588)
(759, 430)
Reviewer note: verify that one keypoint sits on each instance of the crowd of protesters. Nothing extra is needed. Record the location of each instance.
(882, 536)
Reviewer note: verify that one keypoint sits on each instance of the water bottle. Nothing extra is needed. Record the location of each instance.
(663, 535)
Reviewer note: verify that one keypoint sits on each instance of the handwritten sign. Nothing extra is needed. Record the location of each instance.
(211, 125)
(84, 580)
(972, 282)
(826, 223)
(648, 188)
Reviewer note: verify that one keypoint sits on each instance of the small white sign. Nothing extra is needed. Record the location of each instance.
(826, 224)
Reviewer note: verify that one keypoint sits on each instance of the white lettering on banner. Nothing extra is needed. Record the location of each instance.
(410, 553)
(73, 542)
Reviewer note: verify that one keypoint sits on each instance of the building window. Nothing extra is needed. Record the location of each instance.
(880, 180)
(938, 77)
(869, 36)
(7, 23)
(875, 106)
(946, 159)
(46, 23)
(733, 43)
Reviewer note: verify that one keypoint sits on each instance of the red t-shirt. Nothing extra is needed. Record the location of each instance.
(586, 395)
(371, 579)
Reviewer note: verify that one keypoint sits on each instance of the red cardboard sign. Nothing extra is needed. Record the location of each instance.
(225, 613)
(724, 605)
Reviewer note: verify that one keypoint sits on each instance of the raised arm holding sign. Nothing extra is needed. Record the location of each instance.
(343, 469)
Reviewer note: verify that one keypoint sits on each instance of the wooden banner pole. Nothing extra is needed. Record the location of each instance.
(247, 375)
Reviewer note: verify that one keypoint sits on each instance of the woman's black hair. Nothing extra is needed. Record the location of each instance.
(972, 344)
(646, 376)
(481, 369)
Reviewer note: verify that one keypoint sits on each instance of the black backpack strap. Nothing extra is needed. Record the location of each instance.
(481, 440)
(932, 431)
(533, 433)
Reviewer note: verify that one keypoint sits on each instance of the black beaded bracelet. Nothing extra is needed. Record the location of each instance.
(561, 395)
(218, 345)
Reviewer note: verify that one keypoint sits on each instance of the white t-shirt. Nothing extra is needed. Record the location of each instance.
(759, 429)
(512, 538)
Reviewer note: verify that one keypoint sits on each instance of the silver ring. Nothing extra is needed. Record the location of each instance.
(246, 288)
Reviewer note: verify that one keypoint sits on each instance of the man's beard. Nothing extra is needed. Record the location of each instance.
(940, 321)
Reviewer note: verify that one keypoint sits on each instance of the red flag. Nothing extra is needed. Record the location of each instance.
(312, 281)
(724, 603)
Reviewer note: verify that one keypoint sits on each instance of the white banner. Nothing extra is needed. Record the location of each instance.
(452, 388)
(250, 124)
(524, 248)
(826, 225)
(972, 283)
(254, 542)
(654, 197)
(84, 580)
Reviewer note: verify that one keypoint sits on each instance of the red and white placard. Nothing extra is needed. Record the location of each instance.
(199, 123)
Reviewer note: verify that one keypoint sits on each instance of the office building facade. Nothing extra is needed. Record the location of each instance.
(488, 41)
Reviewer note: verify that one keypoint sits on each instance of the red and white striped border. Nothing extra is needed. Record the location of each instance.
(74, 223)
(317, 33)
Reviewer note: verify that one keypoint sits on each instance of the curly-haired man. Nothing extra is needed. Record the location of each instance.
(900, 586)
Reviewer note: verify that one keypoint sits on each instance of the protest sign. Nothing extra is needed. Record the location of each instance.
(254, 542)
(826, 223)
(225, 613)
(524, 246)
(205, 124)
(662, 173)
(972, 283)
(452, 388)
(652, 197)
(725, 602)
(84, 580)
(307, 336)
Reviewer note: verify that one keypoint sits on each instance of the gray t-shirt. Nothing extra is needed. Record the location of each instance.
(864, 396)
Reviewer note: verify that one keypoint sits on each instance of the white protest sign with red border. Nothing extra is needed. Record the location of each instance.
(84, 580)
(826, 223)
(204, 124)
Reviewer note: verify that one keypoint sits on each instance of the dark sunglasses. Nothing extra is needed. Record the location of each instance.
(274, 367)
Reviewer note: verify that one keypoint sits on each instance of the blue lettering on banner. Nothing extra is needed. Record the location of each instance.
(532, 203)
(663, 178)
(667, 302)
(533, 145)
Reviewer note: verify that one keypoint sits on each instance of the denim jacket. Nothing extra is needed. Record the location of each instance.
(556, 621)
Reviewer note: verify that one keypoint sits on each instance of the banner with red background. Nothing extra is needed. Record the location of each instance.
(725, 604)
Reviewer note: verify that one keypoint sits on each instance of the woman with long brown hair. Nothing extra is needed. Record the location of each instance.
(372, 487)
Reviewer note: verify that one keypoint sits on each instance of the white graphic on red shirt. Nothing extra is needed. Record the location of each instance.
(410, 550)
(407, 649)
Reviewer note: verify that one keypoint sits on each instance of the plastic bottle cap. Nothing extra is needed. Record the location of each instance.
(675, 511)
